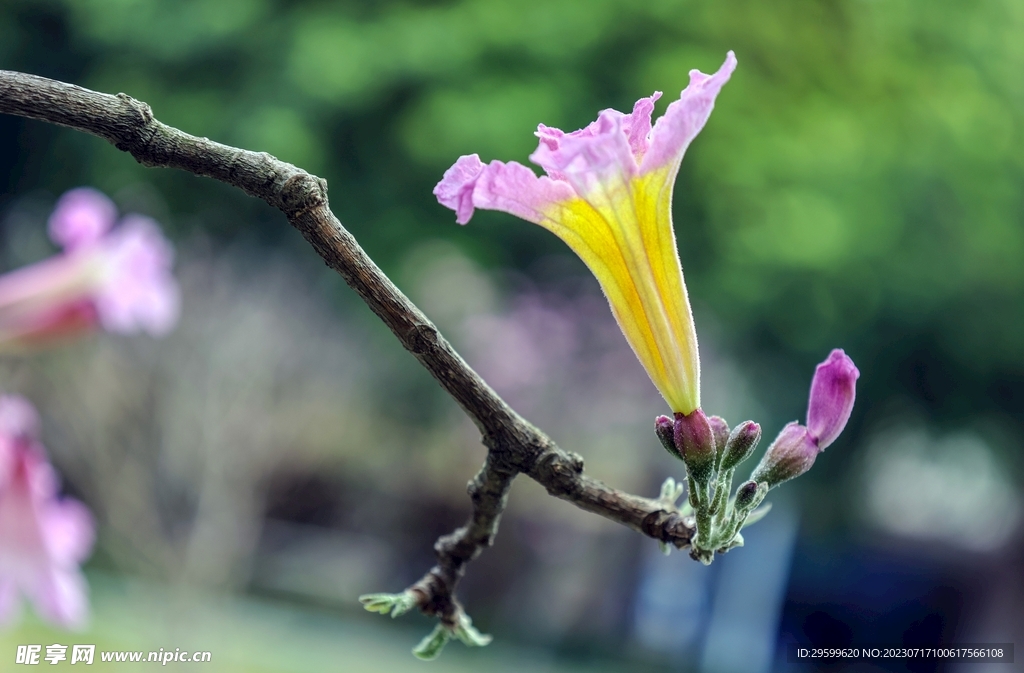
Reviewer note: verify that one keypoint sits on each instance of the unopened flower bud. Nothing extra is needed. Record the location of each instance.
(696, 442)
(665, 429)
(831, 401)
(741, 444)
(720, 429)
(745, 495)
(790, 455)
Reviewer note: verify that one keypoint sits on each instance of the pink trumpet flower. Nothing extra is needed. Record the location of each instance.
(607, 193)
(115, 278)
(43, 538)
(831, 401)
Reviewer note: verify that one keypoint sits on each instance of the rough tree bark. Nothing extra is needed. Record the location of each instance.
(514, 446)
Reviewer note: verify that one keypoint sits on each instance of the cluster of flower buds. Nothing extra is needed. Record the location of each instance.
(712, 452)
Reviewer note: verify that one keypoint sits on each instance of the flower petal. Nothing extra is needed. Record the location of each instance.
(18, 418)
(685, 117)
(597, 161)
(32, 292)
(832, 395)
(455, 190)
(599, 140)
(10, 601)
(138, 292)
(68, 531)
(508, 187)
(637, 125)
(60, 595)
(627, 242)
(42, 538)
(81, 217)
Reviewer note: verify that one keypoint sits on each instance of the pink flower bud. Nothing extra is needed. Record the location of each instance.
(741, 444)
(665, 429)
(695, 440)
(790, 455)
(720, 429)
(831, 402)
(832, 393)
(745, 495)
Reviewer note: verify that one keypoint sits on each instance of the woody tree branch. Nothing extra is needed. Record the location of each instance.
(514, 446)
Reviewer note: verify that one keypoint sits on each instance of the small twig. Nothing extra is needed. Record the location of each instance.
(435, 592)
(514, 445)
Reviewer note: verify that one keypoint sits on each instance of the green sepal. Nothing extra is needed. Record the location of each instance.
(468, 634)
(737, 541)
(671, 491)
(705, 556)
(757, 514)
(431, 646)
(396, 604)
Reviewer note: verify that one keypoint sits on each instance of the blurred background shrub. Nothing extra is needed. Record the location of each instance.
(859, 185)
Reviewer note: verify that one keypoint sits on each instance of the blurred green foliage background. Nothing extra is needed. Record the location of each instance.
(859, 185)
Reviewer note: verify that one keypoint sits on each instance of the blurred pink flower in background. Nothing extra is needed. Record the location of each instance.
(559, 358)
(519, 350)
(43, 538)
(115, 278)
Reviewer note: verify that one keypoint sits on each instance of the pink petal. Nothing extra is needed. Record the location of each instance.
(40, 288)
(455, 190)
(514, 188)
(638, 125)
(552, 140)
(81, 217)
(18, 417)
(511, 188)
(122, 280)
(594, 163)
(68, 531)
(597, 146)
(684, 118)
(139, 292)
(592, 160)
(833, 391)
(30, 483)
(42, 478)
(9, 601)
(60, 595)
(42, 538)
(48, 324)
